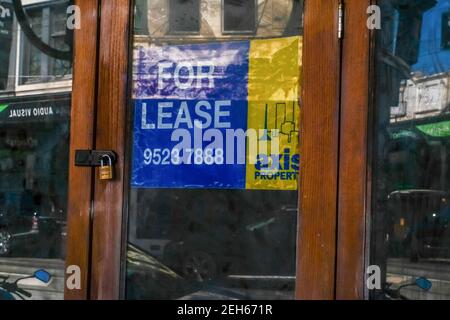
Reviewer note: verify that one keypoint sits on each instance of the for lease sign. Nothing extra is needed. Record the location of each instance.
(217, 115)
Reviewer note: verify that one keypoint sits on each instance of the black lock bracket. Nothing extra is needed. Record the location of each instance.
(93, 158)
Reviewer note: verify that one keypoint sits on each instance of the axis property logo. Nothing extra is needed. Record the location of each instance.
(278, 165)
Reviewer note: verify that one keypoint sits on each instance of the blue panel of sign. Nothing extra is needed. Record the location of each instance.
(190, 101)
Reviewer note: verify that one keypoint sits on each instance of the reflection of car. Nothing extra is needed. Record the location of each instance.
(19, 232)
(420, 220)
(431, 237)
(148, 278)
(264, 246)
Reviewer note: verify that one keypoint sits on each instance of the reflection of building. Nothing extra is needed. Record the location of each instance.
(217, 19)
(34, 106)
(423, 97)
(28, 70)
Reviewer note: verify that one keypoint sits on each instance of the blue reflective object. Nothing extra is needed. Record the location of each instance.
(5, 295)
(43, 275)
(424, 283)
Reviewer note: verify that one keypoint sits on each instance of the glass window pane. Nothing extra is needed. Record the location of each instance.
(184, 15)
(215, 218)
(410, 230)
(34, 150)
(49, 24)
(239, 15)
(445, 43)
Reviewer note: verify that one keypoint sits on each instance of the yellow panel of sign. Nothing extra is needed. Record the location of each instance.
(273, 114)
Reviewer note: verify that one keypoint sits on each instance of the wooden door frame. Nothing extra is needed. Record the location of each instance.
(112, 102)
(354, 178)
(316, 258)
(82, 133)
(319, 151)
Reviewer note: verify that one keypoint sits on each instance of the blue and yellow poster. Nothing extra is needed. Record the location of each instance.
(217, 115)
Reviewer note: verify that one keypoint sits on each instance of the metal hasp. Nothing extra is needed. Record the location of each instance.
(93, 158)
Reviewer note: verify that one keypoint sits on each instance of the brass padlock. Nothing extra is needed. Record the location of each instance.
(106, 171)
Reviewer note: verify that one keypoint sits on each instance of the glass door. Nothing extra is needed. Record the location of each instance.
(36, 116)
(214, 150)
(204, 109)
(410, 230)
(393, 236)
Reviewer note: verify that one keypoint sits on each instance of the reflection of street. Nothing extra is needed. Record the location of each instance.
(254, 287)
(21, 267)
(246, 287)
(437, 271)
(259, 287)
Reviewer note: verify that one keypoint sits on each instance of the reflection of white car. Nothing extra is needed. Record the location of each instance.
(153, 246)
